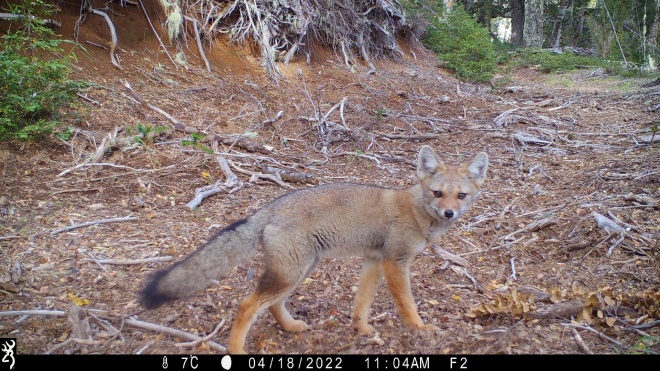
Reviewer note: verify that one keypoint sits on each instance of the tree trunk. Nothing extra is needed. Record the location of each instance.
(484, 14)
(555, 37)
(653, 31)
(580, 26)
(517, 21)
(448, 5)
(533, 30)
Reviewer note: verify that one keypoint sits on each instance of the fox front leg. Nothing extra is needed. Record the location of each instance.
(397, 275)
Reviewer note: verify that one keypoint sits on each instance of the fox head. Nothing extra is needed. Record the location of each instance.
(449, 191)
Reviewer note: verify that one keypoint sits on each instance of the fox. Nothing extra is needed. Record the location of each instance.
(387, 227)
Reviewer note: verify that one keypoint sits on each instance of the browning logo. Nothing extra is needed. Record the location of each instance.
(8, 346)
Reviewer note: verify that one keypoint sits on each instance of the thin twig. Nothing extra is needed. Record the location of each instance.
(90, 100)
(156, 34)
(132, 261)
(205, 338)
(580, 342)
(172, 332)
(513, 269)
(72, 340)
(2, 238)
(231, 184)
(443, 254)
(97, 262)
(34, 312)
(647, 325)
(94, 222)
(600, 335)
(409, 137)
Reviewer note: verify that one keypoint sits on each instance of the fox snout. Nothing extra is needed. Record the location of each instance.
(448, 214)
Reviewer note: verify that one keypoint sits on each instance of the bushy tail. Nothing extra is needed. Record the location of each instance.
(230, 247)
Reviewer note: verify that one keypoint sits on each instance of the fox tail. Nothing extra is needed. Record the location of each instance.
(231, 246)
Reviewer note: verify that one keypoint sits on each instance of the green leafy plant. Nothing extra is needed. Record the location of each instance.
(643, 344)
(65, 134)
(463, 45)
(144, 134)
(381, 113)
(34, 76)
(196, 141)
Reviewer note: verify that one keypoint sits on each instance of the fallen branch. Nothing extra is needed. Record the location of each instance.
(2, 238)
(244, 142)
(46, 22)
(409, 137)
(74, 190)
(443, 254)
(513, 269)
(525, 138)
(231, 185)
(113, 35)
(647, 325)
(564, 309)
(272, 120)
(90, 100)
(357, 154)
(131, 261)
(532, 227)
(463, 271)
(607, 224)
(110, 141)
(72, 340)
(172, 332)
(578, 339)
(97, 262)
(127, 321)
(289, 176)
(600, 335)
(86, 224)
(177, 124)
(208, 337)
(255, 176)
(34, 312)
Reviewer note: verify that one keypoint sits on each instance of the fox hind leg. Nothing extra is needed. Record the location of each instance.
(272, 290)
(369, 282)
(397, 276)
(247, 312)
(283, 317)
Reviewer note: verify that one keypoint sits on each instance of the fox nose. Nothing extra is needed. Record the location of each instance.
(449, 214)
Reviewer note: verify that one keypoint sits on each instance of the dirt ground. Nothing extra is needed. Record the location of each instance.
(561, 249)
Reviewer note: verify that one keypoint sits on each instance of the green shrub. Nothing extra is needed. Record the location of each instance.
(551, 62)
(34, 87)
(463, 45)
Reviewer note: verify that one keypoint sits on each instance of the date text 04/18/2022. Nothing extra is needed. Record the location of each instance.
(370, 362)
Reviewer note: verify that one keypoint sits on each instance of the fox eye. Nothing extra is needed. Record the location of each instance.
(437, 194)
(461, 195)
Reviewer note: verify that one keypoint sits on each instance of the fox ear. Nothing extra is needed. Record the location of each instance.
(477, 167)
(428, 163)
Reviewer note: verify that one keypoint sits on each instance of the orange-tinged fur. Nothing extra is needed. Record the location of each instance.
(387, 227)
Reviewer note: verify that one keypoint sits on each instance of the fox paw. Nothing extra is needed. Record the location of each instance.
(427, 328)
(365, 330)
(296, 326)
